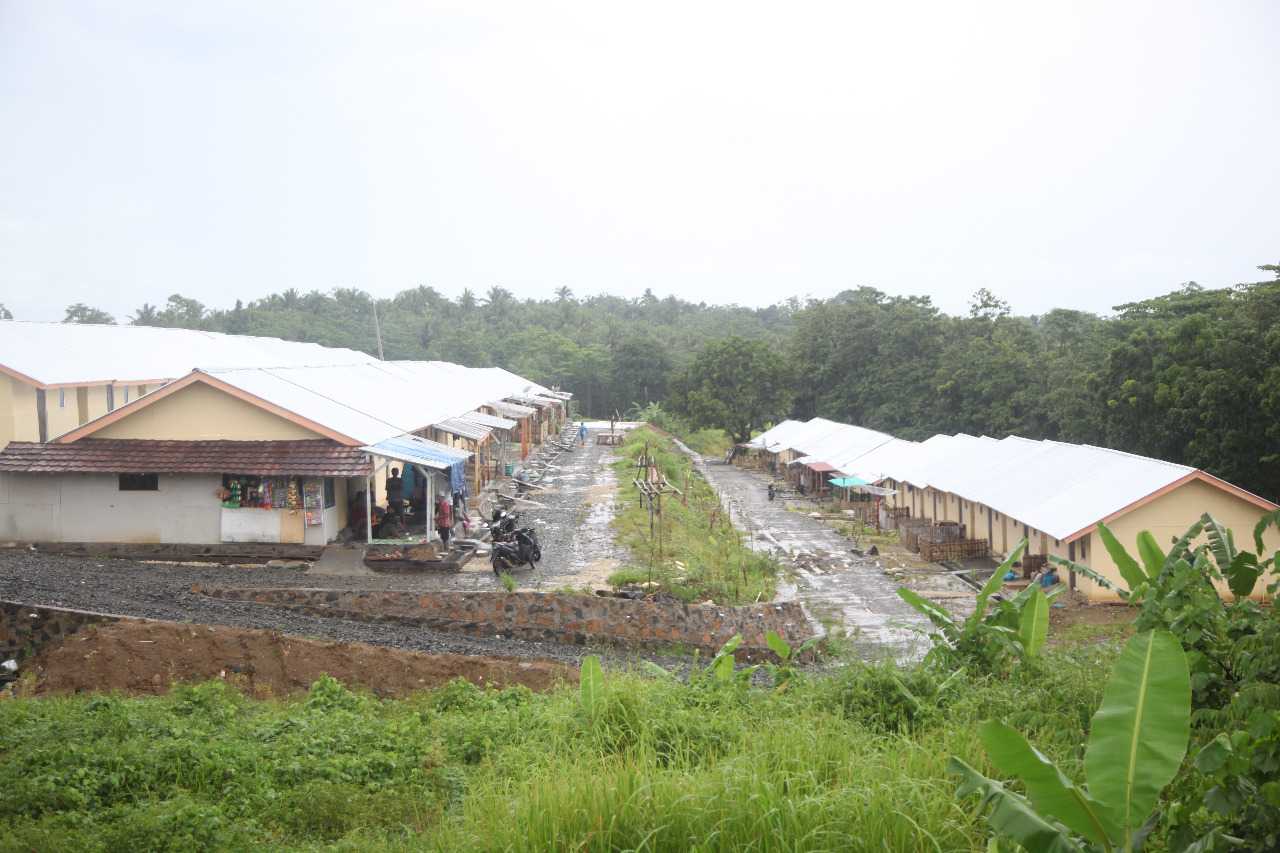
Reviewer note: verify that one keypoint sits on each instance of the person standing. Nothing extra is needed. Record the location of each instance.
(582, 434)
(444, 520)
(395, 492)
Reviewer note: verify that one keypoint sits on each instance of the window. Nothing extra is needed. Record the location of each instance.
(126, 393)
(62, 398)
(330, 495)
(139, 482)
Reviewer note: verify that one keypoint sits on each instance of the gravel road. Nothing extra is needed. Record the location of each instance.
(156, 591)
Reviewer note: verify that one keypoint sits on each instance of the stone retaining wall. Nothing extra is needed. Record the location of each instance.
(543, 617)
(25, 629)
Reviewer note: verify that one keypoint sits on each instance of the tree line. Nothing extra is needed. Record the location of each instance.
(1192, 376)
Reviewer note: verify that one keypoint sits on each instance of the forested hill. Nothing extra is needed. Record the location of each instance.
(1192, 377)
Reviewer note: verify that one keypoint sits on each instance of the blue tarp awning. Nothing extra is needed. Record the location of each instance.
(420, 451)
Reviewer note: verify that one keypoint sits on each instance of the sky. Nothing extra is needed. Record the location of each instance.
(1061, 155)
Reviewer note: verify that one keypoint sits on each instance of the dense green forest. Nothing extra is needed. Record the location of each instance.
(1192, 376)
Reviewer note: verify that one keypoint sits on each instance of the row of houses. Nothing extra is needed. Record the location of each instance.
(127, 434)
(1051, 492)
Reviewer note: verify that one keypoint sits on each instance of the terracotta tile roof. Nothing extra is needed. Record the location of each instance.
(317, 458)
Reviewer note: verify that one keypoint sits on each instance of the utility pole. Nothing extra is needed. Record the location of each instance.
(377, 329)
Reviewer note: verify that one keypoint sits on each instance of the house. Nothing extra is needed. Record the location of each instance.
(1054, 494)
(55, 377)
(261, 454)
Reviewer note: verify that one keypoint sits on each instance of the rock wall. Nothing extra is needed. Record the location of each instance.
(25, 629)
(543, 617)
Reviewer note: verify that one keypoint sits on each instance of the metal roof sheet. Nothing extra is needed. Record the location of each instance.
(465, 427)
(511, 410)
(82, 353)
(420, 451)
(371, 402)
(490, 420)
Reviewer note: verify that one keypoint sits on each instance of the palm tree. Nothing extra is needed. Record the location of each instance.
(147, 315)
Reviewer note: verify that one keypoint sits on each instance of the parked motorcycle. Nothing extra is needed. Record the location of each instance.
(502, 525)
(522, 549)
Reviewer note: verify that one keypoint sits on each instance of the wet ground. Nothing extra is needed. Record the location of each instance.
(837, 587)
(571, 512)
(572, 519)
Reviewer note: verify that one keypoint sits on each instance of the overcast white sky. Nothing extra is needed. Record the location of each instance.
(1069, 154)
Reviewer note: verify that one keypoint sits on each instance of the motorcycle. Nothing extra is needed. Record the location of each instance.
(502, 526)
(522, 549)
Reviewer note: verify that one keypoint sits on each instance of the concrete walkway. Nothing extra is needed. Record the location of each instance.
(835, 586)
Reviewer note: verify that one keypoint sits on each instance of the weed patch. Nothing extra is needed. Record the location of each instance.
(691, 550)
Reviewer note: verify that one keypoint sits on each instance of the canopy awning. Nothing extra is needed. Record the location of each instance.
(465, 428)
(511, 410)
(848, 482)
(491, 421)
(419, 451)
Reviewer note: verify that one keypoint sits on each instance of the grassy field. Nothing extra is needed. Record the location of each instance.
(702, 556)
(850, 761)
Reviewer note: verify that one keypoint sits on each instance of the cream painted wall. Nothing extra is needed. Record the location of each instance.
(1170, 515)
(200, 412)
(6, 410)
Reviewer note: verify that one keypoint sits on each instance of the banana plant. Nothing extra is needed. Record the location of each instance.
(1017, 626)
(1137, 741)
(784, 670)
(1240, 569)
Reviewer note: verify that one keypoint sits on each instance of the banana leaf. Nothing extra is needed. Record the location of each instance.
(1152, 556)
(1243, 573)
(1182, 548)
(993, 583)
(1271, 518)
(1033, 628)
(1080, 569)
(777, 645)
(1010, 815)
(591, 683)
(1132, 573)
(935, 614)
(1139, 735)
(1221, 542)
(1051, 792)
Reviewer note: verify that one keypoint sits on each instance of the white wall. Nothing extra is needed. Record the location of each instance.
(91, 508)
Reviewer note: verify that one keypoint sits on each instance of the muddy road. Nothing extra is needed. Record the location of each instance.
(835, 586)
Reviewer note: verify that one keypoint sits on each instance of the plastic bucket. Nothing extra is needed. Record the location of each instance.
(508, 469)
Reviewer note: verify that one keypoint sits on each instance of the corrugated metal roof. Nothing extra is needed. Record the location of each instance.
(511, 410)
(318, 458)
(79, 353)
(420, 451)
(465, 427)
(490, 420)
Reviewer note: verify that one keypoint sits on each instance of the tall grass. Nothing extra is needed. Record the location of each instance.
(695, 553)
(851, 761)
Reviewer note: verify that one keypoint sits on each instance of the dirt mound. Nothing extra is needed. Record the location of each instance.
(147, 657)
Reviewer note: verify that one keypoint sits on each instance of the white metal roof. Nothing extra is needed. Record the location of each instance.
(511, 410)
(1051, 486)
(80, 353)
(772, 439)
(464, 427)
(490, 420)
(368, 402)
